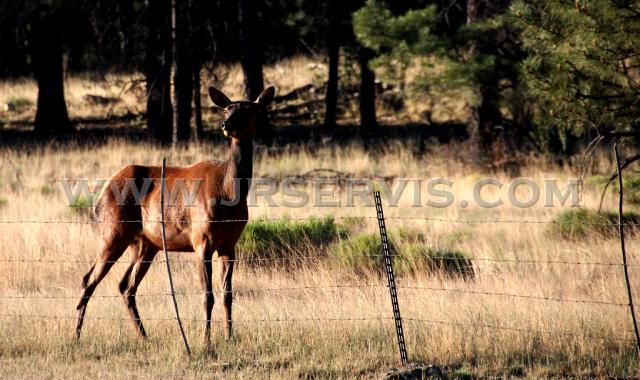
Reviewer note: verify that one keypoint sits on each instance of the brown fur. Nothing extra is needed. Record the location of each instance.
(197, 227)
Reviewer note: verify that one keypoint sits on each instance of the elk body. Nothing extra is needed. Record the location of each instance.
(194, 225)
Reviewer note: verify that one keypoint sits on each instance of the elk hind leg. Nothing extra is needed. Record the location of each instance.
(105, 260)
(132, 278)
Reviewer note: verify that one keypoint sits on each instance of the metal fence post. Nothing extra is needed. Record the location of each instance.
(622, 245)
(391, 280)
(166, 257)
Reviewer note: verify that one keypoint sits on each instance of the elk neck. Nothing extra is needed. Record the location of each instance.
(239, 168)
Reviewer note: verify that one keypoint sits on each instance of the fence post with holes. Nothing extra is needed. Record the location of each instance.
(166, 256)
(622, 246)
(391, 280)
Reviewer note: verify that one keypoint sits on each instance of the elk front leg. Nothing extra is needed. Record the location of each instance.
(226, 260)
(204, 270)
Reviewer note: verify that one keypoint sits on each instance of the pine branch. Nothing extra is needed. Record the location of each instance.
(624, 164)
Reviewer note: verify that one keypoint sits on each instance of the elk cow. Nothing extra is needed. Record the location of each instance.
(210, 222)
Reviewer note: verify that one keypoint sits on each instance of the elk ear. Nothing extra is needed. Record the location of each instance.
(218, 98)
(266, 97)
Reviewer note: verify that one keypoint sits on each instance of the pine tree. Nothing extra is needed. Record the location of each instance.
(478, 58)
(584, 62)
(158, 70)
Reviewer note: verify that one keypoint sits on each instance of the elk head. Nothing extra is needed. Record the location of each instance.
(240, 118)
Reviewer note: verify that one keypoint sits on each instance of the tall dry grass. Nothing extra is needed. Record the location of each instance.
(449, 320)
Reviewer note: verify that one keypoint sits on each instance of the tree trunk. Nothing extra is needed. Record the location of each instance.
(367, 90)
(251, 49)
(192, 14)
(125, 28)
(13, 52)
(484, 120)
(51, 116)
(331, 97)
(157, 70)
(484, 112)
(197, 102)
(475, 119)
(182, 72)
(252, 60)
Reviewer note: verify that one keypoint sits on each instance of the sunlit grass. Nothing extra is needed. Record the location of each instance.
(125, 94)
(458, 322)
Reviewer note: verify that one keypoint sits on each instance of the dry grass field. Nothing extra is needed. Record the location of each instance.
(540, 303)
(290, 319)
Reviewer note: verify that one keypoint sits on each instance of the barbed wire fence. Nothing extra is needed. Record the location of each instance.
(339, 287)
(389, 258)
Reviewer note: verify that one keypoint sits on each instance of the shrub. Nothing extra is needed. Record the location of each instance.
(457, 236)
(416, 258)
(579, 223)
(353, 223)
(3, 202)
(264, 238)
(409, 235)
(630, 185)
(362, 253)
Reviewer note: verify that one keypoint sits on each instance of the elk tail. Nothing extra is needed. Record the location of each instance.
(95, 214)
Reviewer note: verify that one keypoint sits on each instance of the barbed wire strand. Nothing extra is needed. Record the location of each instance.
(173, 318)
(522, 330)
(432, 219)
(340, 287)
(239, 292)
(515, 295)
(316, 257)
(342, 319)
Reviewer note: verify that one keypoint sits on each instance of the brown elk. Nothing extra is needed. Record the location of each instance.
(197, 225)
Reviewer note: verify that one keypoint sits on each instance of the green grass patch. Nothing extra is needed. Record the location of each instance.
(351, 223)
(360, 253)
(363, 254)
(579, 223)
(81, 205)
(3, 202)
(464, 372)
(457, 237)
(409, 235)
(264, 238)
(46, 189)
(420, 258)
(17, 102)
